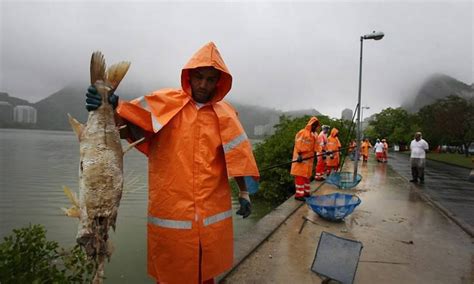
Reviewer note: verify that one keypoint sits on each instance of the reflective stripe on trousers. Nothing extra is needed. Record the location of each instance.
(181, 224)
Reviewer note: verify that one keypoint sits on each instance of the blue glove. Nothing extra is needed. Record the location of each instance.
(245, 206)
(299, 159)
(94, 99)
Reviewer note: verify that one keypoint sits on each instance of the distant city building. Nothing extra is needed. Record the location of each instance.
(24, 114)
(6, 112)
(346, 114)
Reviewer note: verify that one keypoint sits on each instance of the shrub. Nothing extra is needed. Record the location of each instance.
(27, 256)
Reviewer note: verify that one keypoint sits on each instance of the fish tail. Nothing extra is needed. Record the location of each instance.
(97, 67)
(116, 72)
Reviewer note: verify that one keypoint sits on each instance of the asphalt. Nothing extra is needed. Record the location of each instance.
(406, 237)
(448, 187)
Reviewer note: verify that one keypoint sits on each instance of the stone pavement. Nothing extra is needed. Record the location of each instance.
(405, 238)
(446, 186)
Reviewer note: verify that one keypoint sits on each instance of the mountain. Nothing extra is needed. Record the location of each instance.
(4, 97)
(302, 112)
(436, 87)
(52, 111)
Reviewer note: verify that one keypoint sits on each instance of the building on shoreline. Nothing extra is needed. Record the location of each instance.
(25, 114)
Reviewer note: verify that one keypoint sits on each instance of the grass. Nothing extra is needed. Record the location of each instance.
(449, 158)
(453, 159)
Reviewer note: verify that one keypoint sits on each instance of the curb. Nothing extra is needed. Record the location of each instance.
(245, 244)
(465, 226)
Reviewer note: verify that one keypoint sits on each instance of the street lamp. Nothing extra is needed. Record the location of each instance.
(362, 115)
(375, 36)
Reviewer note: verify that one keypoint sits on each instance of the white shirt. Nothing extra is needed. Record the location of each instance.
(418, 148)
(378, 147)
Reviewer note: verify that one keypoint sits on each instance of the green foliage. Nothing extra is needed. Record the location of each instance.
(28, 257)
(276, 184)
(448, 121)
(396, 125)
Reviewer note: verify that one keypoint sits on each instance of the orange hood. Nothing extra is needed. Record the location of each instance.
(312, 120)
(208, 56)
(334, 132)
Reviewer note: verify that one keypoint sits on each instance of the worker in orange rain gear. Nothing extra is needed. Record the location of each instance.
(194, 142)
(333, 147)
(364, 149)
(305, 147)
(385, 151)
(321, 162)
(352, 149)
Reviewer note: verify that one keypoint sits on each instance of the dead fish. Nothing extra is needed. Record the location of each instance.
(100, 169)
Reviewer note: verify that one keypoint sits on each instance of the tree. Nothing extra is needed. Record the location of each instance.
(397, 125)
(276, 184)
(449, 121)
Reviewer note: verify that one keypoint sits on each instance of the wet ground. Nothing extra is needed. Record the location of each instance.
(448, 186)
(405, 238)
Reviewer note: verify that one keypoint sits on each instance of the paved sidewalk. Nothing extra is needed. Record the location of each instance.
(406, 240)
(447, 186)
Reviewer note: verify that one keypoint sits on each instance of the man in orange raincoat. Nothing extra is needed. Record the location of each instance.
(364, 150)
(194, 142)
(333, 147)
(303, 152)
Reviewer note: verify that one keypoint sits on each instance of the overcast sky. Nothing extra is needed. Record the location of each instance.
(285, 55)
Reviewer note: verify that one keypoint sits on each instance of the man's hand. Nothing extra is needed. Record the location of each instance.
(245, 206)
(299, 159)
(94, 99)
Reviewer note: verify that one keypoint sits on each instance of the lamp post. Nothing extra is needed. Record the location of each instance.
(375, 36)
(362, 116)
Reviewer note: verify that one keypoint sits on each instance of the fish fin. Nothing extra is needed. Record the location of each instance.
(76, 126)
(71, 195)
(71, 212)
(116, 72)
(133, 145)
(97, 67)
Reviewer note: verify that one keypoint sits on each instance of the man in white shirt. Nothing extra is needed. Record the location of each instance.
(378, 148)
(418, 147)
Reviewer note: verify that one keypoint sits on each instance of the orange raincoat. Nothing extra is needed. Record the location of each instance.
(192, 150)
(305, 143)
(333, 145)
(364, 148)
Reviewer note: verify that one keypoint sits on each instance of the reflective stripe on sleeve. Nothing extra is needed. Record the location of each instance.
(156, 125)
(172, 224)
(141, 100)
(217, 218)
(235, 142)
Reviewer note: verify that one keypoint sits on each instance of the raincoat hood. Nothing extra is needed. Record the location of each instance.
(312, 120)
(208, 56)
(334, 132)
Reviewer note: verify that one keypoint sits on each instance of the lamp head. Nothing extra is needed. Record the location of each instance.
(374, 35)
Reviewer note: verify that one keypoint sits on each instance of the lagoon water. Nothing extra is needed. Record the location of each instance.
(35, 164)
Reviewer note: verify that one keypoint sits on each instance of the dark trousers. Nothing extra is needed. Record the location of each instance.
(418, 168)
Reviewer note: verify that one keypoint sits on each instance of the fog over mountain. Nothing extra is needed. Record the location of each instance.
(284, 55)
